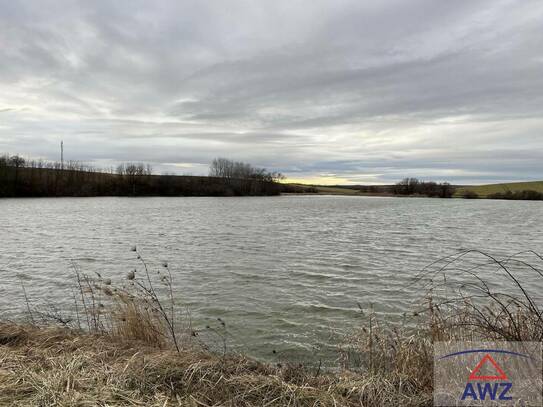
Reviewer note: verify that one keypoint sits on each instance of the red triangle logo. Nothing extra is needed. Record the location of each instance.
(487, 358)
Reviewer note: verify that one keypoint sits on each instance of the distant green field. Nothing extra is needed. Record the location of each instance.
(325, 190)
(336, 190)
(484, 190)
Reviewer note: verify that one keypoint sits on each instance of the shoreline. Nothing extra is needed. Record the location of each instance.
(122, 348)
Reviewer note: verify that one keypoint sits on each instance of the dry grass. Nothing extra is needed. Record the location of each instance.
(128, 356)
(56, 367)
(133, 321)
(460, 305)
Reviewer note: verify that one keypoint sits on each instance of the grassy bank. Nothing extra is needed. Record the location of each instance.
(484, 191)
(53, 367)
(319, 189)
(125, 346)
(382, 190)
(516, 190)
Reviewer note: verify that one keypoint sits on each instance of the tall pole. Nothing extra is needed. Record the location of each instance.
(61, 155)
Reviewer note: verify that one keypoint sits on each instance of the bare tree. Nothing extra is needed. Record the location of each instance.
(225, 168)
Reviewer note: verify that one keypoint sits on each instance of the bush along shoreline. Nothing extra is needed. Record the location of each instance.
(127, 345)
(525, 195)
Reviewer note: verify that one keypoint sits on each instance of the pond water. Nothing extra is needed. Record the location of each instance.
(286, 273)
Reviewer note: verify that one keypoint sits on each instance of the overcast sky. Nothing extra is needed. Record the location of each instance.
(325, 91)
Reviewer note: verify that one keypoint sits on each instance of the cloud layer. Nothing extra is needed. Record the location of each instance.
(330, 91)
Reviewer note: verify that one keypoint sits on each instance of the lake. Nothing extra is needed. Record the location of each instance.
(285, 273)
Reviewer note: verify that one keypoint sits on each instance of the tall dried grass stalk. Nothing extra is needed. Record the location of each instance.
(130, 355)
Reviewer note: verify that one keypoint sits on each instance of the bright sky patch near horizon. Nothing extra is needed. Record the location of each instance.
(324, 91)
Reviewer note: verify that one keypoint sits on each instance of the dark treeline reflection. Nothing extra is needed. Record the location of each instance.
(24, 178)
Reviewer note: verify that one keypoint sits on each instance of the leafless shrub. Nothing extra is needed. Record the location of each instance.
(139, 306)
(474, 293)
(469, 296)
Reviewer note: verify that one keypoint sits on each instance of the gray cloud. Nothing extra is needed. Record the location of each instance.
(345, 90)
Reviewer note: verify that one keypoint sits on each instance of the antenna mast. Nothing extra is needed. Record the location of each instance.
(61, 154)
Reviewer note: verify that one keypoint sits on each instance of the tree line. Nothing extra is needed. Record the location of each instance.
(37, 178)
(228, 169)
(413, 186)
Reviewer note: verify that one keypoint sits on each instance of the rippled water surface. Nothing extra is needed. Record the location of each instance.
(285, 273)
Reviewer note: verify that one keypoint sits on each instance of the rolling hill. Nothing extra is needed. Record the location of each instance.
(485, 190)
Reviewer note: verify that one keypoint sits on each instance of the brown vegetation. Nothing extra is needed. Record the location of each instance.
(22, 178)
(125, 354)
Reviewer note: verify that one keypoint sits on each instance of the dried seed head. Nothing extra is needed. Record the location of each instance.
(130, 275)
(133, 249)
(107, 281)
(164, 264)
